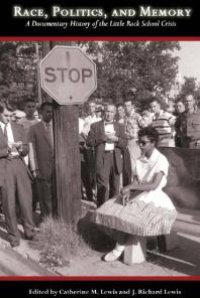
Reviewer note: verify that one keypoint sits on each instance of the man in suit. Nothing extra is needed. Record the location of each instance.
(28, 121)
(88, 172)
(42, 159)
(15, 179)
(108, 138)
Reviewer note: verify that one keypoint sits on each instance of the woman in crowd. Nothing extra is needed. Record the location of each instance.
(142, 208)
(179, 107)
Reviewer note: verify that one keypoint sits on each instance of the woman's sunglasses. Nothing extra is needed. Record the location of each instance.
(143, 143)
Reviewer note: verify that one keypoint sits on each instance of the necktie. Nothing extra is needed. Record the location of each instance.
(5, 132)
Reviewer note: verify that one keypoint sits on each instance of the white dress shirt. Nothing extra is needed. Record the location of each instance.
(10, 137)
(109, 129)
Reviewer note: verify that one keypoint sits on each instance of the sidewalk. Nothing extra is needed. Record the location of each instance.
(19, 261)
(13, 263)
(181, 261)
(184, 260)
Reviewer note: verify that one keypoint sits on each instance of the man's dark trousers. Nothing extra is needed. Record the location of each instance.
(108, 179)
(17, 182)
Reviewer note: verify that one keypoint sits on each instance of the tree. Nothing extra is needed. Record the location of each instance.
(17, 72)
(189, 86)
(137, 69)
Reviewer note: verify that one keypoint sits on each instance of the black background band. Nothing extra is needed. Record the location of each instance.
(37, 26)
(10, 27)
(100, 288)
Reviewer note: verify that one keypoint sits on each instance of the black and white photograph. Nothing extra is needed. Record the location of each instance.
(99, 148)
(99, 158)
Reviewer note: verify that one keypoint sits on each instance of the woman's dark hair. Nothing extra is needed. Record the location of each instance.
(180, 100)
(149, 132)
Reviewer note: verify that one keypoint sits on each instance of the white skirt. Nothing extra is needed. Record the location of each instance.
(148, 214)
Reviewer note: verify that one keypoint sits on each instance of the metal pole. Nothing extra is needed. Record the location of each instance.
(38, 74)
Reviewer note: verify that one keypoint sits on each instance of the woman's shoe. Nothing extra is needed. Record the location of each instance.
(113, 255)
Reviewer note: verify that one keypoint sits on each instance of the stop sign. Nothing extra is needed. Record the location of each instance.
(68, 75)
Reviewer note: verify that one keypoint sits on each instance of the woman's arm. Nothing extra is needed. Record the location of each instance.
(146, 186)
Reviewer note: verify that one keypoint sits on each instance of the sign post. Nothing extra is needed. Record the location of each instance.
(68, 75)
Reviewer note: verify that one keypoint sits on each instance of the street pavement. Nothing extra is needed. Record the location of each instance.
(19, 261)
(183, 260)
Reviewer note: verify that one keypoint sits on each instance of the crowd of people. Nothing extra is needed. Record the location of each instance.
(112, 140)
(123, 146)
(177, 128)
(26, 166)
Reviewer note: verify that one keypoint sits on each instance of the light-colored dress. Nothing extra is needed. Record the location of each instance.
(148, 213)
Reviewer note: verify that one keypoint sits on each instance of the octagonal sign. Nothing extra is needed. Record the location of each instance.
(68, 75)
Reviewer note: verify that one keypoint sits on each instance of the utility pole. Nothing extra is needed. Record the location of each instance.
(67, 75)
